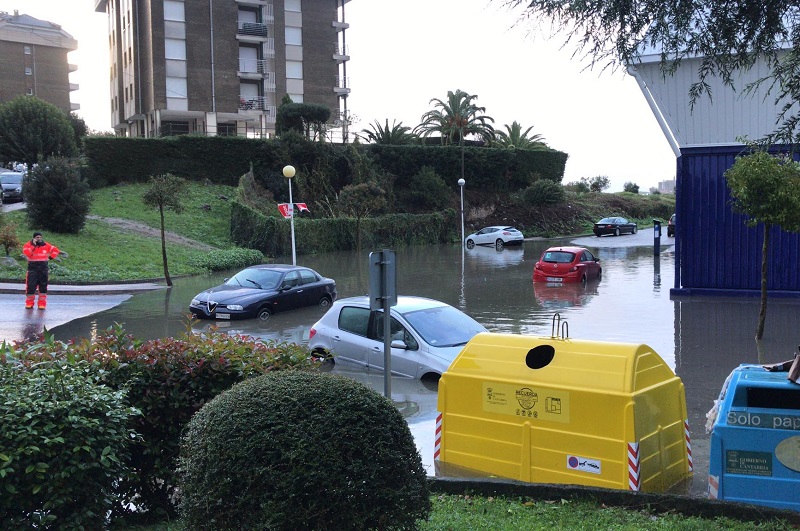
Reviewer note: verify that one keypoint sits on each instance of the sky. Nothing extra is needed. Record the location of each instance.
(403, 54)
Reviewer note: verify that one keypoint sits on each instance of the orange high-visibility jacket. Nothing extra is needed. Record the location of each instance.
(41, 253)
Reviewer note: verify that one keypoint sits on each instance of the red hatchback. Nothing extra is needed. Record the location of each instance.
(567, 264)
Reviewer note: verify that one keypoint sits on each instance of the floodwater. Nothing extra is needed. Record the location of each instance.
(702, 339)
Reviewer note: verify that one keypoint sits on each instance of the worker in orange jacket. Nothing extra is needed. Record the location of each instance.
(39, 253)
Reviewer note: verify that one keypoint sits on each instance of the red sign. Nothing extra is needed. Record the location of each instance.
(285, 209)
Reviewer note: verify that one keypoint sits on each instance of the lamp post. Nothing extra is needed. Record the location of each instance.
(288, 172)
(461, 183)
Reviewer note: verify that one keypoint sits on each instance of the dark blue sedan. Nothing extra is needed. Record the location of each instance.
(263, 290)
(615, 226)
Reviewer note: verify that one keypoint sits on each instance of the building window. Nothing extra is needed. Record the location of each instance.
(292, 5)
(294, 36)
(294, 69)
(29, 92)
(175, 49)
(174, 11)
(28, 50)
(28, 71)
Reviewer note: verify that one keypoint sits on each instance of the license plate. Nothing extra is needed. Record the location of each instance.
(223, 316)
(555, 279)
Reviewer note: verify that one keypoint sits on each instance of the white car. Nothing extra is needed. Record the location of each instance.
(427, 335)
(497, 235)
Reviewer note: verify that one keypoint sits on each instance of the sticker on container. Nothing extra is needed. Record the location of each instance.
(788, 453)
(527, 402)
(583, 464)
(748, 463)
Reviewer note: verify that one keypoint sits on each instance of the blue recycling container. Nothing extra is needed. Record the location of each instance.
(755, 440)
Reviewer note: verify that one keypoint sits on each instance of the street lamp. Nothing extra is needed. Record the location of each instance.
(461, 183)
(288, 172)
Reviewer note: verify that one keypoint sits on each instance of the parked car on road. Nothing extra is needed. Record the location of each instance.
(671, 226)
(426, 335)
(615, 226)
(263, 290)
(559, 265)
(497, 235)
(11, 182)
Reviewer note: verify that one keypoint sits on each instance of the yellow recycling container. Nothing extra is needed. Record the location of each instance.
(558, 410)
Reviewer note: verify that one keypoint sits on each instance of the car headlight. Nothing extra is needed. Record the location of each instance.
(235, 307)
(195, 302)
(18, 189)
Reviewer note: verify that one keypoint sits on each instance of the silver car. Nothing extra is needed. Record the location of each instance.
(11, 182)
(497, 235)
(427, 335)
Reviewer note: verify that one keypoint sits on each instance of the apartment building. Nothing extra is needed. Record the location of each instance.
(33, 60)
(222, 67)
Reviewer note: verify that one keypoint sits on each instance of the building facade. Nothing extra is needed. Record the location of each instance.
(716, 253)
(222, 67)
(33, 60)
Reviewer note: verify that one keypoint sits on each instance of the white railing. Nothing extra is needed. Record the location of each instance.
(257, 103)
(338, 49)
(254, 66)
(342, 82)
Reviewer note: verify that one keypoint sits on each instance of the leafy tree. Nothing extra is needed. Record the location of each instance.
(596, 184)
(767, 190)
(79, 127)
(165, 193)
(396, 135)
(630, 187)
(57, 196)
(424, 191)
(513, 136)
(32, 130)
(728, 37)
(306, 118)
(8, 237)
(581, 186)
(360, 201)
(455, 119)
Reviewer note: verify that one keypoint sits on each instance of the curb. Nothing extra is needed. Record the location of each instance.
(84, 289)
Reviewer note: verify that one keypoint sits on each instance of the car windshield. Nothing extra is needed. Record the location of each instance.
(444, 326)
(11, 178)
(256, 278)
(558, 257)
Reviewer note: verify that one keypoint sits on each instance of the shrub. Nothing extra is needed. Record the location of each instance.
(424, 191)
(630, 187)
(544, 192)
(222, 259)
(296, 451)
(63, 445)
(57, 196)
(168, 380)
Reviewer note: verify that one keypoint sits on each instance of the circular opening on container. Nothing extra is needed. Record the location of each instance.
(540, 356)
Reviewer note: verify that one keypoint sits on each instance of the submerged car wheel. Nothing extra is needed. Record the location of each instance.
(325, 302)
(634, 230)
(264, 314)
(499, 244)
(470, 244)
(616, 232)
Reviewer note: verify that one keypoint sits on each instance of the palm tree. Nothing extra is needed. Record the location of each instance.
(396, 135)
(513, 136)
(455, 119)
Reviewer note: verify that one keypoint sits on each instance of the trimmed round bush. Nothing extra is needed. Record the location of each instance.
(544, 192)
(295, 451)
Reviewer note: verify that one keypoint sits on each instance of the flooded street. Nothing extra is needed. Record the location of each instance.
(701, 339)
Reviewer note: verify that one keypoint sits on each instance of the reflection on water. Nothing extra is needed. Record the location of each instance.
(701, 339)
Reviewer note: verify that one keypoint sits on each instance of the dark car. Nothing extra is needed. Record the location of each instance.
(12, 186)
(671, 226)
(615, 226)
(559, 265)
(262, 290)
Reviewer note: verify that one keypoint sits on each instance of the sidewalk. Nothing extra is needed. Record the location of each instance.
(85, 289)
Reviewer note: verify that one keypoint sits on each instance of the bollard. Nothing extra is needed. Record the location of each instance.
(656, 237)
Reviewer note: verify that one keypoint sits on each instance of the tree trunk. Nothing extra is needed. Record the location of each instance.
(762, 314)
(164, 247)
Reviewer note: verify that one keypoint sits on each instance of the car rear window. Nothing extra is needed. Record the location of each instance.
(558, 257)
(608, 220)
(354, 320)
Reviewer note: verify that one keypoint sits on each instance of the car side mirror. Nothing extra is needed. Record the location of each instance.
(596, 259)
(397, 343)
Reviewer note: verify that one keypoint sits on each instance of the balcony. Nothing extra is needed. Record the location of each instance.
(342, 85)
(341, 53)
(73, 87)
(252, 29)
(256, 69)
(340, 25)
(259, 104)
